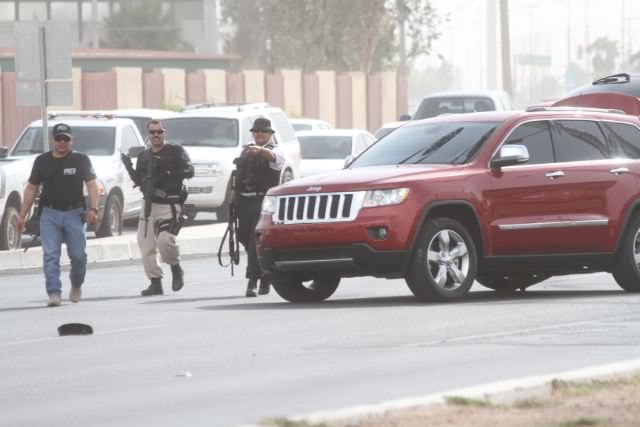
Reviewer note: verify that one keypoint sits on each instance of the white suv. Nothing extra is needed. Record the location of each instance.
(213, 137)
(100, 137)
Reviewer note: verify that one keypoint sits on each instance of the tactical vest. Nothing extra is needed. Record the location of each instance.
(255, 175)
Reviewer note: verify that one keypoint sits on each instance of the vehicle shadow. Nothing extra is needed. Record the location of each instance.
(478, 297)
(187, 300)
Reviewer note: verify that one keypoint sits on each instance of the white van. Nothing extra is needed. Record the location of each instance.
(213, 137)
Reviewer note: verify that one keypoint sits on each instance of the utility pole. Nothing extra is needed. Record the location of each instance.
(505, 45)
(209, 26)
(402, 17)
(95, 42)
(492, 44)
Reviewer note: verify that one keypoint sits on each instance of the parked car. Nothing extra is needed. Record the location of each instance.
(102, 138)
(326, 150)
(309, 124)
(387, 128)
(505, 198)
(213, 137)
(461, 102)
(13, 179)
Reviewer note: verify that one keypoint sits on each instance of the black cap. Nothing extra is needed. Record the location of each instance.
(75, 329)
(262, 124)
(61, 129)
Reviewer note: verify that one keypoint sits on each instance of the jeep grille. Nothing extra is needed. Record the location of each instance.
(318, 208)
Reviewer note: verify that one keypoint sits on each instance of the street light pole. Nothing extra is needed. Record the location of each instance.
(505, 48)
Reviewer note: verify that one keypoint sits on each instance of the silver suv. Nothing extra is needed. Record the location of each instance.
(213, 137)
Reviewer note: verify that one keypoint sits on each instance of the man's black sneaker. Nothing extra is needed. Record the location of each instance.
(155, 288)
(251, 288)
(177, 281)
(264, 287)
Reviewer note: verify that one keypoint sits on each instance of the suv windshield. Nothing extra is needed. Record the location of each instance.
(325, 147)
(431, 107)
(93, 141)
(433, 143)
(202, 131)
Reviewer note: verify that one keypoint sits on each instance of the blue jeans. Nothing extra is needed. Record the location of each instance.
(57, 227)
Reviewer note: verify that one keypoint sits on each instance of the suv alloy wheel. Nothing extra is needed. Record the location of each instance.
(10, 237)
(111, 224)
(444, 263)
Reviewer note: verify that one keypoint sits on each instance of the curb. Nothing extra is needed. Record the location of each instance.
(506, 391)
(105, 251)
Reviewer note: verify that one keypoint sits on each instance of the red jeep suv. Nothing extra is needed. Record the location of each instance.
(505, 198)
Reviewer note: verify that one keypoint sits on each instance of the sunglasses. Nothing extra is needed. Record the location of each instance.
(156, 132)
(62, 138)
(260, 131)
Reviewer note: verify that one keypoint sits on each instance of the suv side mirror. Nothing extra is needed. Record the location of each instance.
(4, 152)
(510, 155)
(135, 151)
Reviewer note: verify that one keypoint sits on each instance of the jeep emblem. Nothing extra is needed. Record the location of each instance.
(312, 188)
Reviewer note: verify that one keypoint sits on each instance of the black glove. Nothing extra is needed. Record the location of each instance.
(126, 159)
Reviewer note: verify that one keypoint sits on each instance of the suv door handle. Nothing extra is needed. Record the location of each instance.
(619, 171)
(554, 175)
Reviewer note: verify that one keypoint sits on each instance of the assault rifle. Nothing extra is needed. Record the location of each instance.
(232, 229)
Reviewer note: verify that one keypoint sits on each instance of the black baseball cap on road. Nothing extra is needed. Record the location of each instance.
(262, 124)
(61, 129)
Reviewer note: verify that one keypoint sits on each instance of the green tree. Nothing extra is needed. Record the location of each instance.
(343, 35)
(143, 24)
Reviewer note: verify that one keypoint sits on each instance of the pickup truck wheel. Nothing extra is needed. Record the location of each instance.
(444, 262)
(626, 269)
(510, 282)
(296, 290)
(111, 224)
(10, 237)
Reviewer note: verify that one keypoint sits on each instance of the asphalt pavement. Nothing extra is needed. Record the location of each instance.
(208, 356)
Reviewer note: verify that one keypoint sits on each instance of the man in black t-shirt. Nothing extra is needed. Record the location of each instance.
(62, 173)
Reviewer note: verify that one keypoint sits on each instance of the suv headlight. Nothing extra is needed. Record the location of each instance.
(269, 205)
(207, 169)
(394, 196)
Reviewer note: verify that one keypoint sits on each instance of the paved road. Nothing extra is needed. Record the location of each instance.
(207, 356)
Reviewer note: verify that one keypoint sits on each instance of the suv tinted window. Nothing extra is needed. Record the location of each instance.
(626, 139)
(93, 141)
(431, 107)
(537, 138)
(202, 131)
(433, 143)
(580, 140)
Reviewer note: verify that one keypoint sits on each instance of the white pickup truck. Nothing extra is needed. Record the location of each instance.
(100, 137)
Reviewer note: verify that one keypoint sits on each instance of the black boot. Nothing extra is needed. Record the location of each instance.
(155, 288)
(251, 288)
(177, 281)
(264, 287)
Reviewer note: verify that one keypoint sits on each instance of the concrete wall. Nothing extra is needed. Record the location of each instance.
(347, 100)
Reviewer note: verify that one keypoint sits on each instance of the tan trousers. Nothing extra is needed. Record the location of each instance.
(164, 242)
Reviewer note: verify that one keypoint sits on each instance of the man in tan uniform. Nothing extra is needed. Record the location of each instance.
(159, 172)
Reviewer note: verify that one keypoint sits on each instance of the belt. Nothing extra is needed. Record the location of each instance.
(62, 207)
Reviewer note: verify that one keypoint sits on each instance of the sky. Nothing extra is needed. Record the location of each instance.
(553, 31)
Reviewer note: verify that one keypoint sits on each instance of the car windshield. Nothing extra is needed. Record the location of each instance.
(432, 143)
(431, 107)
(90, 140)
(202, 131)
(325, 147)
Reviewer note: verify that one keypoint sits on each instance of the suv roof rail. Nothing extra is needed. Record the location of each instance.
(80, 114)
(614, 78)
(229, 106)
(569, 108)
